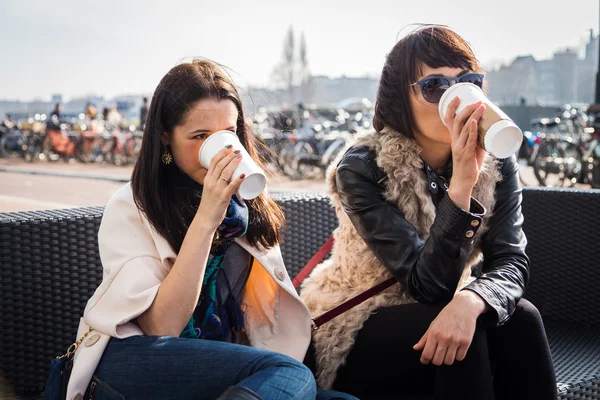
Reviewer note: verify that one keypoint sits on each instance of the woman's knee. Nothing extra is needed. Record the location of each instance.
(526, 315)
(298, 377)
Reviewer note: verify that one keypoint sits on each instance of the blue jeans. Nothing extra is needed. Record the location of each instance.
(150, 367)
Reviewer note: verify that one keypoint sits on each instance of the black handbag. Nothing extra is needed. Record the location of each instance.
(60, 372)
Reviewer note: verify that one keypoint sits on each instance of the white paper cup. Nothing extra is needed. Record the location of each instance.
(255, 182)
(498, 134)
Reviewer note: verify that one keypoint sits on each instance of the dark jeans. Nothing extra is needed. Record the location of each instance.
(150, 367)
(512, 361)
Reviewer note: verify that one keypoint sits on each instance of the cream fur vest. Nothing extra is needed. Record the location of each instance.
(353, 268)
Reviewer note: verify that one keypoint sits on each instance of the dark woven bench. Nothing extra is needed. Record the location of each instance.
(49, 267)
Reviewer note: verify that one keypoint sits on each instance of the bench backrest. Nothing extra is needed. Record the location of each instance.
(49, 267)
(563, 233)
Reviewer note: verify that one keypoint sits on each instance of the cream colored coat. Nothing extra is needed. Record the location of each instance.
(136, 259)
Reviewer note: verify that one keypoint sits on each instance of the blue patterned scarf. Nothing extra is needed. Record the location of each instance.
(219, 316)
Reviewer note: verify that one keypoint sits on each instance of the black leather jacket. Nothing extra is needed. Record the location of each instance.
(430, 269)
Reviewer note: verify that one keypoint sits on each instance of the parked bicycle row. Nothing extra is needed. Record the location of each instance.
(94, 141)
(563, 150)
(302, 143)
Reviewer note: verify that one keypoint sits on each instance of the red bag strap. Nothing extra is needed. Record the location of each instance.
(314, 261)
(345, 306)
(353, 302)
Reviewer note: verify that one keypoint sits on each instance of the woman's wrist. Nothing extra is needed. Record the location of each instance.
(461, 196)
(202, 225)
(474, 300)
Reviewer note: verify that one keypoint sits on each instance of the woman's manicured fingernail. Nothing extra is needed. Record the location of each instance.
(242, 176)
(237, 152)
(228, 146)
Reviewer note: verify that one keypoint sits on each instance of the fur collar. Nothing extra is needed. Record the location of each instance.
(353, 268)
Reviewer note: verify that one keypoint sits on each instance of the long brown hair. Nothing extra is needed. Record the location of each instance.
(170, 211)
(433, 45)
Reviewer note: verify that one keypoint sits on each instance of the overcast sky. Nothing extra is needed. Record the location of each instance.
(78, 47)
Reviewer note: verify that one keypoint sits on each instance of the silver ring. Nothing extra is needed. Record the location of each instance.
(225, 179)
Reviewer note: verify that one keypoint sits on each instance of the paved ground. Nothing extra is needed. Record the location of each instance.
(43, 186)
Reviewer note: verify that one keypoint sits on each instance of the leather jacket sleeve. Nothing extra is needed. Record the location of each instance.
(505, 269)
(431, 269)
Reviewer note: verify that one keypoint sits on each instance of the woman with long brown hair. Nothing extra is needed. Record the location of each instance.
(195, 300)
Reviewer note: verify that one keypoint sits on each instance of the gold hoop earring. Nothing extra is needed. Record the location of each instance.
(166, 157)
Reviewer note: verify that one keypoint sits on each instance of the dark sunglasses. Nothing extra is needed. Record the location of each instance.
(434, 87)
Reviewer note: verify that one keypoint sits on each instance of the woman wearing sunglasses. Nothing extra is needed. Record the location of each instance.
(418, 201)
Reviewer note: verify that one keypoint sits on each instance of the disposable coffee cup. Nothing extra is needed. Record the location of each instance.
(255, 182)
(498, 134)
